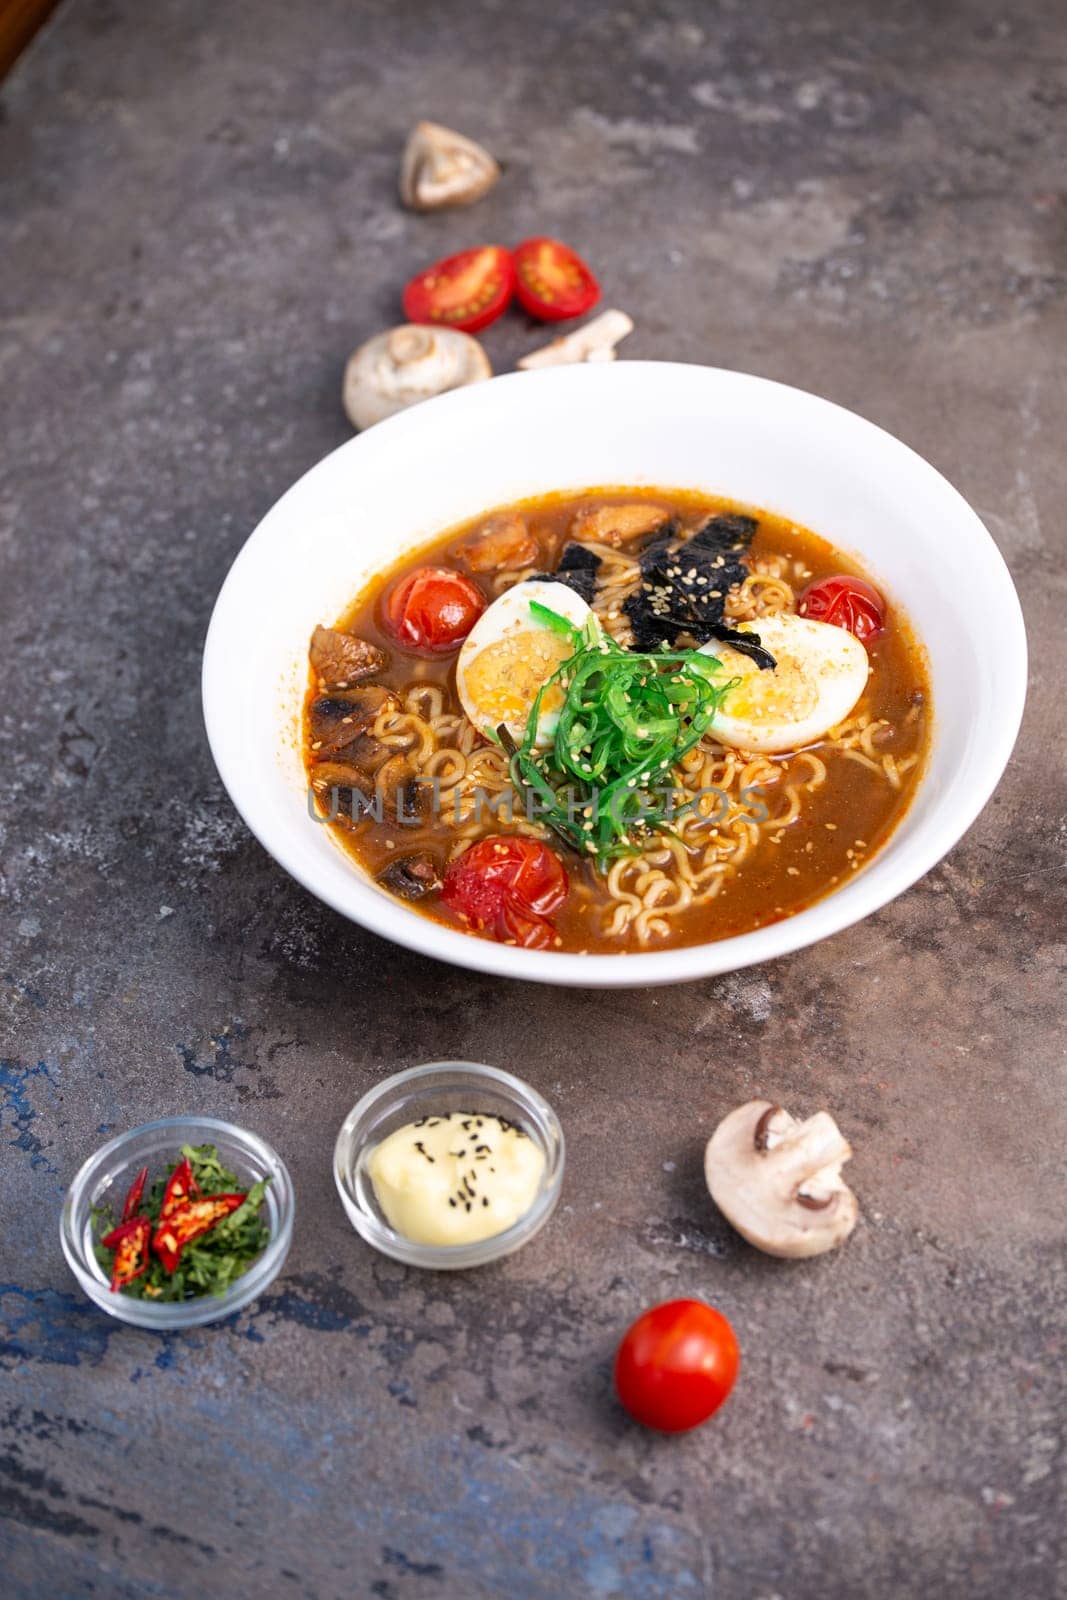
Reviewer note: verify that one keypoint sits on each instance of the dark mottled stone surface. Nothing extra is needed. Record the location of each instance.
(197, 223)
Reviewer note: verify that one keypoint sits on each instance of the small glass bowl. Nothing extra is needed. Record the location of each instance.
(105, 1179)
(425, 1092)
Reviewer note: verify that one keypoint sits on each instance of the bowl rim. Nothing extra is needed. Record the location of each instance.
(177, 1314)
(871, 889)
(477, 1253)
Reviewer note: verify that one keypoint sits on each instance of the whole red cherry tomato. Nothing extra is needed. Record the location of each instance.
(467, 291)
(552, 282)
(845, 602)
(676, 1365)
(433, 609)
(508, 887)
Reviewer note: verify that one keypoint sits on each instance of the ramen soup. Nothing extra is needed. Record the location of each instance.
(616, 722)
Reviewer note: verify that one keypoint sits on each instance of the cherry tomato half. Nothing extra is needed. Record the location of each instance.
(552, 282)
(508, 887)
(676, 1365)
(845, 602)
(467, 291)
(433, 609)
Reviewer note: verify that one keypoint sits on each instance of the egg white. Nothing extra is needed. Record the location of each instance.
(820, 674)
(508, 655)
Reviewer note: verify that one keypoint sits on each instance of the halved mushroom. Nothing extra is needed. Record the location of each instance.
(595, 341)
(337, 718)
(443, 168)
(412, 877)
(407, 364)
(778, 1181)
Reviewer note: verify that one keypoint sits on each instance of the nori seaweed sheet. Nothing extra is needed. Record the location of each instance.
(578, 567)
(684, 585)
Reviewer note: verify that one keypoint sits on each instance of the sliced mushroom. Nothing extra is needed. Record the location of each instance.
(337, 718)
(407, 364)
(778, 1181)
(412, 877)
(403, 796)
(595, 341)
(443, 168)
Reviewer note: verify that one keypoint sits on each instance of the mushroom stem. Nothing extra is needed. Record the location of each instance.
(595, 341)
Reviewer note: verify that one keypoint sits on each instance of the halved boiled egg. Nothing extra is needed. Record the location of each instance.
(510, 654)
(821, 672)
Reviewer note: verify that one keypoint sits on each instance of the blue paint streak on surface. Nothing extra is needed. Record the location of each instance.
(15, 1085)
(50, 1326)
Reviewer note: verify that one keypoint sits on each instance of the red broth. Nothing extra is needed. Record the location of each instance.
(829, 808)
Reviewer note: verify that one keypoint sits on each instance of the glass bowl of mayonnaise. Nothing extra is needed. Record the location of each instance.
(451, 1164)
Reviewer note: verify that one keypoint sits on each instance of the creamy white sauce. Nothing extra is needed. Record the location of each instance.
(456, 1178)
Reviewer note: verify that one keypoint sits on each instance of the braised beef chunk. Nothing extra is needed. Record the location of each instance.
(684, 583)
(578, 567)
(412, 877)
(341, 659)
(501, 544)
(336, 719)
(616, 525)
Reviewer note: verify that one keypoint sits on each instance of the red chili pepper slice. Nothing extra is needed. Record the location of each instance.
(130, 1242)
(188, 1222)
(467, 291)
(181, 1186)
(134, 1195)
(552, 281)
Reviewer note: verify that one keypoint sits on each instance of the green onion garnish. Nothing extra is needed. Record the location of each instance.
(626, 721)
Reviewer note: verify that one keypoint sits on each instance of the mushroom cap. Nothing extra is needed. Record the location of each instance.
(441, 167)
(407, 364)
(778, 1181)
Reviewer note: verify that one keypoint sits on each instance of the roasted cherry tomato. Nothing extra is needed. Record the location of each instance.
(845, 602)
(508, 887)
(433, 609)
(676, 1365)
(467, 291)
(552, 282)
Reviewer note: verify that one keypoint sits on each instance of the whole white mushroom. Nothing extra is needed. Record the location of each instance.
(404, 365)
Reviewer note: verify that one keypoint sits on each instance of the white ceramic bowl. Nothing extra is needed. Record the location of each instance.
(632, 423)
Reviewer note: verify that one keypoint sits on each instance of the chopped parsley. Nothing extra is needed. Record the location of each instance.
(208, 1258)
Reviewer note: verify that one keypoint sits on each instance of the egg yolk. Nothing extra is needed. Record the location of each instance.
(504, 679)
(786, 693)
